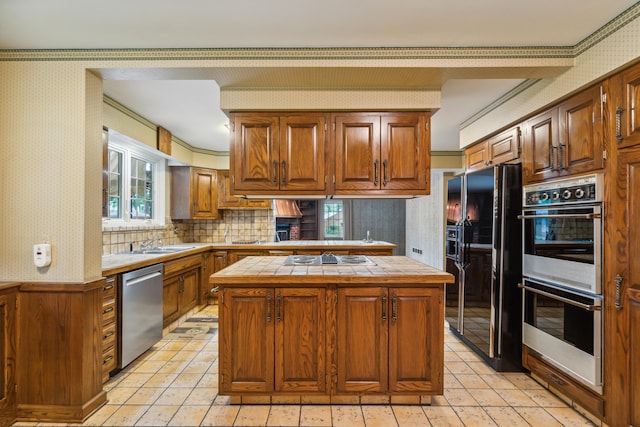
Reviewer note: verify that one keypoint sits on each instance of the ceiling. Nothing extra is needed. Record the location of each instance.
(190, 108)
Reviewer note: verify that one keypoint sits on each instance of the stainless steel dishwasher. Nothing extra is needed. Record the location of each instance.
(141, 312)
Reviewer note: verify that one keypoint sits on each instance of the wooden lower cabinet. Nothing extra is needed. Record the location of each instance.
(368, 340)
(633, 302)
(273, 340)
(180, 287)
(389, 340)
(8, 358)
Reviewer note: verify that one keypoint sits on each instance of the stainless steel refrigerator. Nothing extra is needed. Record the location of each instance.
(484, 252)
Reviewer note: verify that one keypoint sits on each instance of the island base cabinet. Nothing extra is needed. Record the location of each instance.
(416, 341)
(272, 340)
(389, 340)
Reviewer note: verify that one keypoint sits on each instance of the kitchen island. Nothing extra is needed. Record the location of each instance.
(340, 331)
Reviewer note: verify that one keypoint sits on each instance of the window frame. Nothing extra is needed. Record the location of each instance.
(132, 148)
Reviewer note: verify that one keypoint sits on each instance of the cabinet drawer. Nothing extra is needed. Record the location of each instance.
(108, 311)
(109, 288)
(179, 265)
(108, 362)
(109, 335)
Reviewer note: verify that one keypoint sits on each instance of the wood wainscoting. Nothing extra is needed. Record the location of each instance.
(59, 351)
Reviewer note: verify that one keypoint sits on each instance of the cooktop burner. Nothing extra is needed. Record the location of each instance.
(327, 259)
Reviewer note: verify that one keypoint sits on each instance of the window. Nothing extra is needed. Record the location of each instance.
(135, 176)
(333, 220)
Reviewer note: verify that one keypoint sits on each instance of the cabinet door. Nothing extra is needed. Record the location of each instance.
(580, 137)
(189, 291)
(225, 199)
(300, 340)
(204, 193)
(235, 256)
(170, 300)
(206, 271)
(254, 153)
(302, 152)
(634, 355)
(362, 340)
(504, 147)
(416, 336)
(540, 159)
(627, 88)
(405, 151)
(357, 152)
(476, 156)
(7, 358)
(246, 357)
(623, 246)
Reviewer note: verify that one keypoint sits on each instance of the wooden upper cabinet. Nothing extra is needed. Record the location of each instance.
(566, 139)
(580, 141)
(228, 201)
(194, 193)
(501, 148)
(377, 153)
(625, 89)
(272, 154)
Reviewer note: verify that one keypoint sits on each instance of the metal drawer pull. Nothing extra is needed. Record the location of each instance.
(619, 111)
(269, 307)
(107, 310)
(385, 180)
(107, 288)
(275, 173)
(394, 308)
(618, 292)
(375, 172)
(559, 298)
(107, 360)
(384, 307)
(278, 300)
(104, 337)
(284, 173)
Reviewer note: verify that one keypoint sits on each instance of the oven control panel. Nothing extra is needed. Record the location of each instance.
(585, 189)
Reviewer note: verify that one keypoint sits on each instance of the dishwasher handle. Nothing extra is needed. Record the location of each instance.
(139, 279)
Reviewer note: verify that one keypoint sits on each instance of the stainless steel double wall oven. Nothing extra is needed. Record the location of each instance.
(562, 275)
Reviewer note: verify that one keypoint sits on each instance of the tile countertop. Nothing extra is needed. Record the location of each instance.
(387, 270)
(118, 263)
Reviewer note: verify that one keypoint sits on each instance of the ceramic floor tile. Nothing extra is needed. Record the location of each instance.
(208, 380)
(196, 367)
(516, 398)
(522, 381)
(378, 416)
(189, 416)
(252, 415)
(537, 417)
(173, 396)
(569, 417)
(135, 379)
(450, 381)
(126, 415)
(160, 380)
(201, 396)
(120, 395)
(186, 380)
(443, 416)
(100, 416)
(474, 417)
(459, 367)
(481, 368)
(184, 355)
(162, 355)
(145, 396)
(347, 416)
(471, 381)
(315, 415)
(498, 381)
(487, 397)
(545, 398)
(410, 416)
(174, 367)
(459, 397)
(221, 415)
(158, 416)
(506, 417)
(284, 415)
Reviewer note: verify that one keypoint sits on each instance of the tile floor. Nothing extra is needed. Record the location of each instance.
(176, 384)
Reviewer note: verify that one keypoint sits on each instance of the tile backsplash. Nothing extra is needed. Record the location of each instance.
(240, 224)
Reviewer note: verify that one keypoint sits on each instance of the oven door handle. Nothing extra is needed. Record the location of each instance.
(581, 216)
(559, 298)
